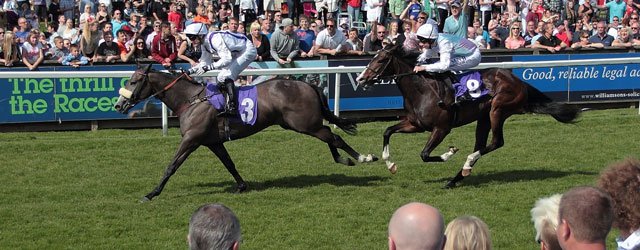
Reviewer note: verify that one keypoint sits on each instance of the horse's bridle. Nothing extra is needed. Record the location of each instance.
(381, 69)
(145, 79)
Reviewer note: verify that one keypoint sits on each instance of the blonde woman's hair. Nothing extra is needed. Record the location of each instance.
(254, 25)
(7, 46)
(467, 233)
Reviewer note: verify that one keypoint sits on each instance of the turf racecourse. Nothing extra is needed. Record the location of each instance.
(80, 190)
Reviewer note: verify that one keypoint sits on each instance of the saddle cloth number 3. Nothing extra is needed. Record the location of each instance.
(247, 110)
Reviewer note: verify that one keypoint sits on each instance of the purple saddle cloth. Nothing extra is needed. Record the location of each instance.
(470, 82)
(247, 101)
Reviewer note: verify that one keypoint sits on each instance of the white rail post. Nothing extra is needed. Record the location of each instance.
(165, 120)
(336, 98)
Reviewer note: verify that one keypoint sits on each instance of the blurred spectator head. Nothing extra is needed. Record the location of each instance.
(633, 18)
(331, 27)
(585, 216)
(255, 29)
(422, 18)
(23, 25)
(233, 24)
(67, 43)
(277, 16)
(303, 21)
(416, 226)
(107, 27)
(616, 22)
(601, 28)
(287, 26)
(74, 50)
(455, 8)
(467, 232)
(214, 226)
(117, 15)
(544, 215)
(635, 28)
(107, 36)
(381, 32)
(541, 27)
(140, 43)
(622, 181)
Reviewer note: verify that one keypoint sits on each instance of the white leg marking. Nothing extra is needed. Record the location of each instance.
(471, 160)
(367, 158)
(385, 153)
(448, 154)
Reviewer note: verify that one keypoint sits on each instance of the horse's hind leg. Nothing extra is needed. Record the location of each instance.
(335, 141)
(184, 150)
(403, 126)
(224, 157)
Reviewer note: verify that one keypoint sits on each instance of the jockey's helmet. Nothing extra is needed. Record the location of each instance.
(427, 33)
(195, 30)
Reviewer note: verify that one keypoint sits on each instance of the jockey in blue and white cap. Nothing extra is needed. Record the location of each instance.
(235, 50)
(456, 53)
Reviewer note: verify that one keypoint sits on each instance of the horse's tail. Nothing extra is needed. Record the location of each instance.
(344, 124)
(539, 103)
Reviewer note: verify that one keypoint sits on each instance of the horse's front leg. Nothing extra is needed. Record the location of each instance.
(436, 137)
(404, 126)
(224, 157)
(186, 147)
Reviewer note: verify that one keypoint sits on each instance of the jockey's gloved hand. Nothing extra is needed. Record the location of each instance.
(198, 70)
(423, 58)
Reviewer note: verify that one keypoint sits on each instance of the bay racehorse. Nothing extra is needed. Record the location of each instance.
(291, 104)
(422, 92)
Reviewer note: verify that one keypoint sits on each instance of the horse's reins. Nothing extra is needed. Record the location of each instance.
(168, 85)
(396, 76)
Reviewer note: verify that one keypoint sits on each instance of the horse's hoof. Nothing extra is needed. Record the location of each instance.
(449, 185)
(144, 200)
(241, 188)
(393, 168)
(374, 158)
(453, 149)
(466, 172)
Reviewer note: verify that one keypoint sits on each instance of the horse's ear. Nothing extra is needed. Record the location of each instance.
(146, 70)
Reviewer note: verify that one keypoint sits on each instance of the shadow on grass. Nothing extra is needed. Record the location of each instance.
(479, 179)
(300, 181)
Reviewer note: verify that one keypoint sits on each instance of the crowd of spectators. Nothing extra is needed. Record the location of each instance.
(111, 30)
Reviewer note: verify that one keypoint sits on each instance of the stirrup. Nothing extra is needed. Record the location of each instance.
(227, 113)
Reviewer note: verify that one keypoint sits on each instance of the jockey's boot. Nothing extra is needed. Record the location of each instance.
(462, 99)
(232, 108)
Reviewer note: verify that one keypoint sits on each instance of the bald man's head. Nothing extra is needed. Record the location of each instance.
(416, 226)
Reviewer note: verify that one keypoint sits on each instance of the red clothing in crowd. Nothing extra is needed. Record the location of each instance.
(164, 48)
(176, 18)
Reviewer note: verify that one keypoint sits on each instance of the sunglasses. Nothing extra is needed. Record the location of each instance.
(636, 18)
(330, 26)
(422, 17)
(138, 43)
(426, 40)
(515, 28)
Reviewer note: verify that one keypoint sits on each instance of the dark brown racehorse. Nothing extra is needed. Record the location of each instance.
(291, 104)
(422, 92)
